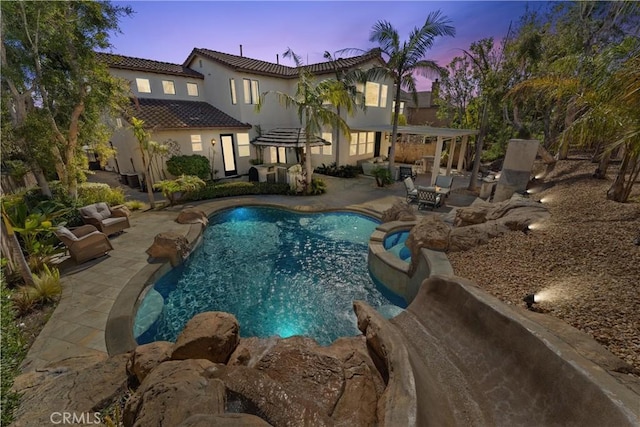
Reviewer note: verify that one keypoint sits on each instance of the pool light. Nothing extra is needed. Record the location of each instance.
(530, 300)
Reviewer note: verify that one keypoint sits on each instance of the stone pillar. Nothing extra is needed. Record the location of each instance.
(516, 169)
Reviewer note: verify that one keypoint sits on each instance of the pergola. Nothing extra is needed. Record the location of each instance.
(441, 135)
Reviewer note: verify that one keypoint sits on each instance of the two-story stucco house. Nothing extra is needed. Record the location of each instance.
(212, 98)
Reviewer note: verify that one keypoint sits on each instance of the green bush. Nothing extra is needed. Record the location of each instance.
(214, 191)
(94, 192)
(194, 164)
(318, 186)
(383, 176)
(13, 352)
(345, 171)
(183, 185)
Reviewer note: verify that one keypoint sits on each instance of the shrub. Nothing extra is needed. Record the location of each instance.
(134, 205)
(318, 186)
(383, 176)
(184, 185)
(213, 191)
(47, 287)
(13, 352)
(345, 171)
(93, 192)
(194, 164)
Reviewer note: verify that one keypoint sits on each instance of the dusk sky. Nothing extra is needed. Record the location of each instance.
(168, 31)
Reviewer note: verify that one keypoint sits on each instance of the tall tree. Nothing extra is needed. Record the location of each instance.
(405, 59)
(146, 146)
(53, 78)
(311, 100)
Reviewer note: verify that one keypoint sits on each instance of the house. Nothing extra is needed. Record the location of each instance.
(207, 106)
(425, 111)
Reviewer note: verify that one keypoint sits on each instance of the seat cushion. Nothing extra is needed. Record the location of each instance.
(109, 221)
(98, 211)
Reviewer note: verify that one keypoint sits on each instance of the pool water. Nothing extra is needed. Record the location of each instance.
(279, 272)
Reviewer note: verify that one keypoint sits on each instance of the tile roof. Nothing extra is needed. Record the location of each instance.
(174, 114)
(139, 64)
(256, 66)
(288, 137)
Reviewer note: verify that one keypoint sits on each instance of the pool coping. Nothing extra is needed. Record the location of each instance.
(119, 328)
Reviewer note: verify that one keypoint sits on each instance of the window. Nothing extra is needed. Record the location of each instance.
(353, 146)
(168, 87)
(401, 110)
(232, 86)
(362, 143)
(315, 150)
(196, 143)
(251, 91)
(383, 96)
(143, 85)
(371, 140)
(375, 95)
(200, 62)
(243, 145)
(192, 89)
(371, 97)
(327, 150)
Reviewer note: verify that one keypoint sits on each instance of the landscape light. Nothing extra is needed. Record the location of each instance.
(530, 300)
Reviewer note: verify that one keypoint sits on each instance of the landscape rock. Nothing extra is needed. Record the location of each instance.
(80, 390)
(169, 245)
(146, 357)
(210, 335)
(224, 420)
(192, 216)
(464, 238)
(254, 391)
(174, 391)
(249, 350)
(296, 364)
(399, 212)
(471, 215)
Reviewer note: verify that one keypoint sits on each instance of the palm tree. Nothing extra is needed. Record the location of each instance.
(346, 94)
(310, 102)
(143, 136)
(405, 59)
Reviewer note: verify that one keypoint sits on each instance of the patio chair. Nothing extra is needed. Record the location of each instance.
(84, 243)
(412, 191)
(407, 171)
(444, 184)
(429, 197)
(107, 220)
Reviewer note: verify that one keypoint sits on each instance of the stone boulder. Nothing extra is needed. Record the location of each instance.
(170, 245)
(475, 214)
(518, 213)
(430, 233)
(81, 389)
(192, 216)
(399, 212)
(302, 370)
(146, 357)
(465, 238)
(173, 392)
(224, 420)
(254, 391)
(211, 335)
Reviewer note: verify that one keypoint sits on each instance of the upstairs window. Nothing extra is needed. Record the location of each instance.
(168, 87)
(232, 86)
(375, 95)
(251, 91)
(143, 85)
(192, 89)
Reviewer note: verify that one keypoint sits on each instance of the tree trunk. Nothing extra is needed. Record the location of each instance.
(621, 187)
(41, 180)
(394, 129)
(147, 180)
(337, 144)
(479, 142)
(547, 159)
(603, 165)
(16, 255)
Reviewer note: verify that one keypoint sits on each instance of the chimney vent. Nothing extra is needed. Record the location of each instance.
(277, 59)
(240, 50)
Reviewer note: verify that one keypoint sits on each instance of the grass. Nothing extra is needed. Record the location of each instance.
(14, 349)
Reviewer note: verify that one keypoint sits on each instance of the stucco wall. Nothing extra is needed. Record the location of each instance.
(155, 81)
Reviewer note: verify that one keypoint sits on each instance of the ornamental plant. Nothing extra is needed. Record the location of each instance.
(175, 190)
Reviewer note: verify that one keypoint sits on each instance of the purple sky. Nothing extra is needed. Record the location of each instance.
(168, 31)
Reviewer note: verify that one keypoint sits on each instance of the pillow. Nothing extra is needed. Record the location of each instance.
(65, 232)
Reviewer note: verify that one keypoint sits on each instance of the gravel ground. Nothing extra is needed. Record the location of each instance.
(582, 261)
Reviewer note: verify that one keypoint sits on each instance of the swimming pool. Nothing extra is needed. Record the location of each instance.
(279, 272)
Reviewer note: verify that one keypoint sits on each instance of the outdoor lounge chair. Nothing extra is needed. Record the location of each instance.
(107, 220)
(412, 191)
(429, 197)
(84, 243)
(443, 184)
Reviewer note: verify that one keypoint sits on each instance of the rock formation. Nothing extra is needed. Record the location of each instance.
(399, 212)
(171, 246)
(192, 216)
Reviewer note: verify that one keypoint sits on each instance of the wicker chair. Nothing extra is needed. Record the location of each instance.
(84, 243)
(107, 220)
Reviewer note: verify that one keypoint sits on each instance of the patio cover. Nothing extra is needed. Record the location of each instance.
(440, 133)
(288, 137)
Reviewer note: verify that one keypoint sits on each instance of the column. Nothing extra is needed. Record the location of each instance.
(463, 149)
